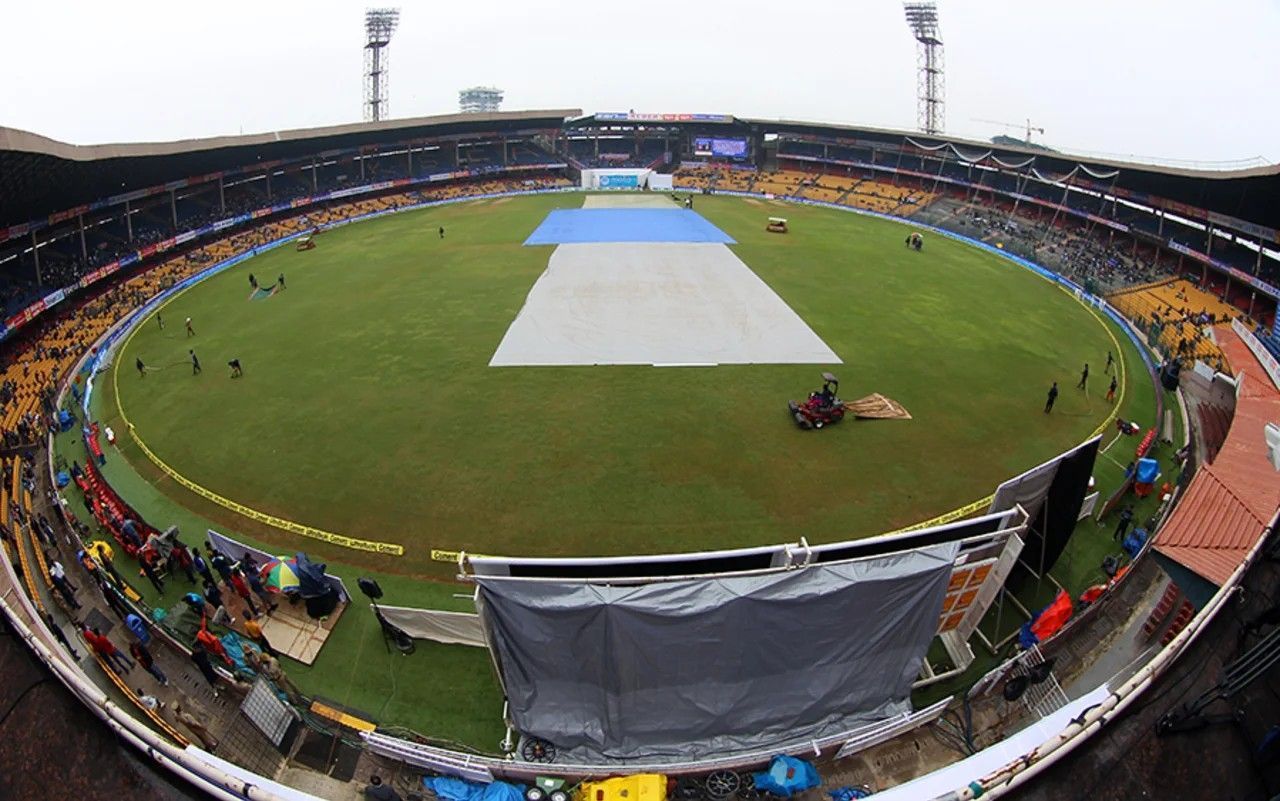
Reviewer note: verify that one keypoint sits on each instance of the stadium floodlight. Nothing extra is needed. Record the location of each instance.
(479, 99)
(922, 17)
(379, 24)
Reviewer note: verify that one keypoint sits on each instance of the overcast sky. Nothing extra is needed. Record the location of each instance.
(1174, 79)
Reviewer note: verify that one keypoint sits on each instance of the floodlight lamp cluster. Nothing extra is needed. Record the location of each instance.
(379, 24)
(923, 19)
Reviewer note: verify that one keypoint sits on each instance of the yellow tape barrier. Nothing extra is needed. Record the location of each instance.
(262, 517)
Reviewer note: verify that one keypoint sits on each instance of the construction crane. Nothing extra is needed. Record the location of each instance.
(1027, 127)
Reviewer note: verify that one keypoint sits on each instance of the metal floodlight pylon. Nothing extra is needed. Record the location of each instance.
(379, 24)
(922, 17)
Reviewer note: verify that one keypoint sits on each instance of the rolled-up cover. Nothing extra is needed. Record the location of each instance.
(714, 665)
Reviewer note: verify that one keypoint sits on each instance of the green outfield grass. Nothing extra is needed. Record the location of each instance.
(367, 407)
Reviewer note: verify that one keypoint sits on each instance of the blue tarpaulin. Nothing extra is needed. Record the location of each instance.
(584, 226)
(787, 776)
(235, 648)
(447, 788)
(1134, 541)
(1148, 469)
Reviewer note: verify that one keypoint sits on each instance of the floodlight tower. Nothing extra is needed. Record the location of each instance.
(379, 24)
(930, 87)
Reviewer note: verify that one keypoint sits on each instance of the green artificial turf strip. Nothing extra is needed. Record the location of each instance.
(367, 406)
(384, 351)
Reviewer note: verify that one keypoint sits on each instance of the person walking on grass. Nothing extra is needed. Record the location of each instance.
(160, 321)
(1126, 517)
(190, 331)
(281, 281)
(142, 368)
(1053, 396)
(1111, 391)
(1110, 363)
(1084, 376)
(236, 372)
(442, 232)
(195, 363)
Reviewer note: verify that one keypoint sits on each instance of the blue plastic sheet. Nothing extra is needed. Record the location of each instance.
(1148, 469)
(1134, 541)
(787, 776)
(448, 788)
(848, 793)
(235, 647)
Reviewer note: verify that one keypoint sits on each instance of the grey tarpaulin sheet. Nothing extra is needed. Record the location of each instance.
(1028, 489)
(455, 628)
(714, 665)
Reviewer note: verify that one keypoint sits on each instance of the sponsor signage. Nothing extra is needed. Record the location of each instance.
(631, 116)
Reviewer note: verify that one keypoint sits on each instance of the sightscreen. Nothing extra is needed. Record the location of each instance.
(717, 665)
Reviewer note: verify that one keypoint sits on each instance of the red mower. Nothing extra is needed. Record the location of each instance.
(822, 408)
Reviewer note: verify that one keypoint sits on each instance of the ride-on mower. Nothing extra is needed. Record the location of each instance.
(822, 408)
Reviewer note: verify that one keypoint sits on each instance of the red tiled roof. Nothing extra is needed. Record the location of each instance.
(1229, 503)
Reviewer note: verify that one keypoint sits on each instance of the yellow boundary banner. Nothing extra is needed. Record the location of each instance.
(290, 526)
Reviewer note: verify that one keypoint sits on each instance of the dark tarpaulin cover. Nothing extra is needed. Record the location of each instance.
(321, 598)
(717, 665)
(311, 580)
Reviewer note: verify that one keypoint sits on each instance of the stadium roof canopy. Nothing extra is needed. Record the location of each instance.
(40, 176)
(1251, 194)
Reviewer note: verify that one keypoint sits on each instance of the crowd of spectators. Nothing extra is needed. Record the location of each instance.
(62, 263)
(1090, 258)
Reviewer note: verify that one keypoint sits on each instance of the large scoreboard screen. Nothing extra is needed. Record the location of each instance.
(721, 147)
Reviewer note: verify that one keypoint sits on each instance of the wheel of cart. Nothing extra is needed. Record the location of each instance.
(535, 749)
(722, 785)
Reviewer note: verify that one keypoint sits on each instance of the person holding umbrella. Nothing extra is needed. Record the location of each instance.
(254, 578)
